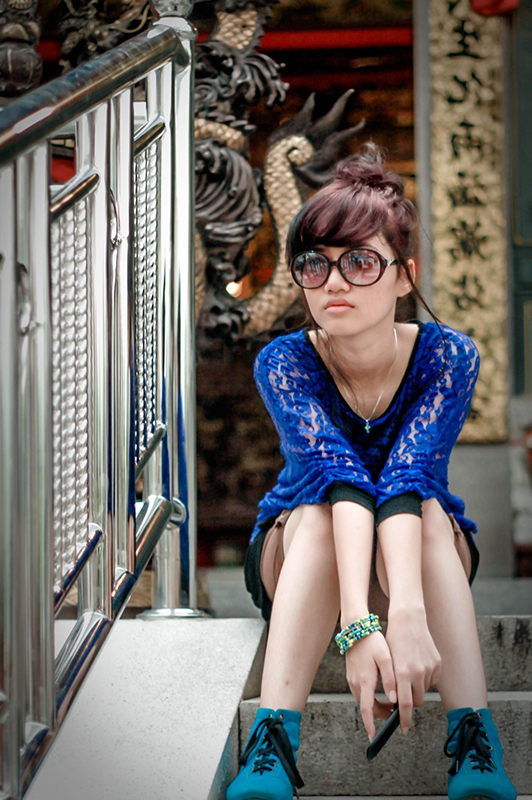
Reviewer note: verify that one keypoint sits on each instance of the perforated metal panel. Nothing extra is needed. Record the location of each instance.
(146, 294)
(70, 362)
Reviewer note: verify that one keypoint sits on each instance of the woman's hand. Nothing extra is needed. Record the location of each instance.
(365, 660)
(416, 661)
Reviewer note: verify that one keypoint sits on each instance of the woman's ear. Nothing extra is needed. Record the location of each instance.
(407, 277)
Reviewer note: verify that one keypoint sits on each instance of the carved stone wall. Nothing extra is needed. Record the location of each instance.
(469, 230)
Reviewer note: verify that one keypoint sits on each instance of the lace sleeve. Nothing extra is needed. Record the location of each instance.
(316, 451)
(419, 458)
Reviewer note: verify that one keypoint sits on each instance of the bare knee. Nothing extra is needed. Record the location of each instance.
(312, 521)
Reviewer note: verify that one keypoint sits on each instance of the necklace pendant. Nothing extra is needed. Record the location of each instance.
(367, 426)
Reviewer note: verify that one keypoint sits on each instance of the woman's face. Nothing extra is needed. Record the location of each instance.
(342, 309)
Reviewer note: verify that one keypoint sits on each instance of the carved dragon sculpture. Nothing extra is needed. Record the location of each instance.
(20, 64)
(87, 29)
(230, 199)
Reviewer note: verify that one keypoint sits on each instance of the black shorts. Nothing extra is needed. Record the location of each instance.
(252, 577)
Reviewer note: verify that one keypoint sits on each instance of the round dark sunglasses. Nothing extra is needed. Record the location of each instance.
(311, 269)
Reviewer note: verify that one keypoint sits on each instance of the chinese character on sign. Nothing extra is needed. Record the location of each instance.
(469, 292)
(466, 37)
(468, 241)
(466, 88)
(465, 192)
(466, 141)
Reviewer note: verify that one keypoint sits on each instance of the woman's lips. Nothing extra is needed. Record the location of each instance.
(338, 306)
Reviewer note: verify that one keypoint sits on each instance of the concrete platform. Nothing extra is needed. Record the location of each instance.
(332, 758)
(229, 598)
(157, 715)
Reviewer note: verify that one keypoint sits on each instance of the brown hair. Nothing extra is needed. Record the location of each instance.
(362, 200)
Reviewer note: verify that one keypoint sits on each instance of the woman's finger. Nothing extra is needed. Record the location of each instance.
(418, 690)
(404, 694)
(385, 667)
(367, 697)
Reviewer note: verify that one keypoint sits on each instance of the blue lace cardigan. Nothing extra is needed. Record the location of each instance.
(324, 442)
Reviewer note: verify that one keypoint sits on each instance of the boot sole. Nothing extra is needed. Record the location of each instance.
(477, 797)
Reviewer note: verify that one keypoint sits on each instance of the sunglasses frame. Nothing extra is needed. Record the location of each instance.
(384, 263)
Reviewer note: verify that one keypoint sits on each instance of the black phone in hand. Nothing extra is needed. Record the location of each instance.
(384, 733)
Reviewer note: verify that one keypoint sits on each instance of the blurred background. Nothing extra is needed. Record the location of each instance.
(444, 88)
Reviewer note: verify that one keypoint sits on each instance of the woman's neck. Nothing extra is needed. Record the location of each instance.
(363, 357)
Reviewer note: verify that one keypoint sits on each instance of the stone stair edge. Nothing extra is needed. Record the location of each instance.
(430, 697)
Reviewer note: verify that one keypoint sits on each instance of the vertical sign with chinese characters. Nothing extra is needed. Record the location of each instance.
(469, 227)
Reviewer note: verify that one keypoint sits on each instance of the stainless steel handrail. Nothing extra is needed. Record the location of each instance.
(30, 119)
(97, 388)
(66, 197)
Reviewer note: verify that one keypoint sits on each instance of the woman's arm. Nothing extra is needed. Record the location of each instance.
(433, 422)
(318, 453)
(366, 659)
(424, 444)
(416, 660)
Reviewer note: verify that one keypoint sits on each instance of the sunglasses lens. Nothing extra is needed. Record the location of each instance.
(310, 270)
(360, 267)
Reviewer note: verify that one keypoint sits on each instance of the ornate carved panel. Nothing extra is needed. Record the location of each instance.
(469, 231)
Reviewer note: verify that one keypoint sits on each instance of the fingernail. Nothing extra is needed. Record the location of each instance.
(392, 697)
(404, 731)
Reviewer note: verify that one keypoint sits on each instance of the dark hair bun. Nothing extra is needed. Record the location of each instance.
(362, 200)
(365, 170)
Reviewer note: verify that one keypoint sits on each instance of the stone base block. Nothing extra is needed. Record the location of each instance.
(332, 758)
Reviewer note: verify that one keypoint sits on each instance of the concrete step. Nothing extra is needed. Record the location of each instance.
(506, 648)
(333, 761)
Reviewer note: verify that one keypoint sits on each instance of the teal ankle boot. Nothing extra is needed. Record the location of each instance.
(268, 764)
(476, 772)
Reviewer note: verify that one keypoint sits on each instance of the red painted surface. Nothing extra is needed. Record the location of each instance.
(489, 8)
(335, 38)
(49, 49)
(62, 169)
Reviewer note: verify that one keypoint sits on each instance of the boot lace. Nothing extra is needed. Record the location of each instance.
(472, 742)
(275, 744)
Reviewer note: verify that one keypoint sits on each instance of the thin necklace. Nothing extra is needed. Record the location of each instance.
(367, 420)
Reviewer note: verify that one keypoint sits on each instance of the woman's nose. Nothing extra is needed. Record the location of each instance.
(336, 281)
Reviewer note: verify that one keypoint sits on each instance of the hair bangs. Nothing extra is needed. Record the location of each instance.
(337, 218)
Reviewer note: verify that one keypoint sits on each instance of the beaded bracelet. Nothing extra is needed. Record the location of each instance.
(357, 630)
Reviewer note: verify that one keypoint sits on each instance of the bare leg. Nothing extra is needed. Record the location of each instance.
(305, 609)
(451, 613)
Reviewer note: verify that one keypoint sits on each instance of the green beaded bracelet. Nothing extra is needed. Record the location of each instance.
(357, 630)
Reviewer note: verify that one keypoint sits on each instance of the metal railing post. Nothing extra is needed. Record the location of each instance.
(12, 712)
(35, 229)
(175, 589)
(96, 582)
